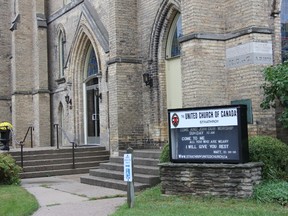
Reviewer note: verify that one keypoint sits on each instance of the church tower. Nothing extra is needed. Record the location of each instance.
(29, 70)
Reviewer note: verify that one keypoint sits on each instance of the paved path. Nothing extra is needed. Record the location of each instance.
(66, 196)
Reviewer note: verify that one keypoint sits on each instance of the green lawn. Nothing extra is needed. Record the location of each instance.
(151, 202)
(16, 201)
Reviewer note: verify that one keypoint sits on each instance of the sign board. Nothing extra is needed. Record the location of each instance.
(209, 134)
(128, 177)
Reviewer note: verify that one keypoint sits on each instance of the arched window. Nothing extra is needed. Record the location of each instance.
(61, 53)
(173, 65)
(284, 29)
(92, 64)
(173, 48)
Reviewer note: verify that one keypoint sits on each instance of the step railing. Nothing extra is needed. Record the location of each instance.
(22, 143)
(57, 127)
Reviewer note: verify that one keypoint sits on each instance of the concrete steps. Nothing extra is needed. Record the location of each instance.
(146, 171)
(51, 162)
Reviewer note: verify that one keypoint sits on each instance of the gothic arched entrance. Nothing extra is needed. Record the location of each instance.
(91, 99)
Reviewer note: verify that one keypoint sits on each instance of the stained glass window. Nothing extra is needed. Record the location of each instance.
(284, 29)
(175, 49)
(92, 64)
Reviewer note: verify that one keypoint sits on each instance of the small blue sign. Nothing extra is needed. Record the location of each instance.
(128, 177)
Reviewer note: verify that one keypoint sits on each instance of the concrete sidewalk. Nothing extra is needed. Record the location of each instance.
(66, 196)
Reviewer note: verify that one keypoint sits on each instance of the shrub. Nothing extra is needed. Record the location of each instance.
(9, 170)
(273, 153)
(165, 154)
(269, 192)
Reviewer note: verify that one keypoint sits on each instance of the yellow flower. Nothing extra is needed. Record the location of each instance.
(5, 126)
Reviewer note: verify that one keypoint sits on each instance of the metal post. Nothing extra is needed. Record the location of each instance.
(31, 132)
(21, 154)
(57, 135)
(130, 184)
(73, 154)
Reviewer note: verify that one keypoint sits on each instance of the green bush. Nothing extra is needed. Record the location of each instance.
(273, 153)
(269, 192)
(9, 170)
(165, 154)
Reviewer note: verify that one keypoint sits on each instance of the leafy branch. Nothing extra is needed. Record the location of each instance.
(276, 90)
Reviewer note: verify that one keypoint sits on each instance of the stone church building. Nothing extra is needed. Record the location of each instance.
(107, 71)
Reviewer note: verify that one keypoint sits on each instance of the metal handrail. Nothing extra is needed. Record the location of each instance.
(57, 126)
(21, 143)
(31, 128)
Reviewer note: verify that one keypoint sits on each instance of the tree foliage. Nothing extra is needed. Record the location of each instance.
(276, 90)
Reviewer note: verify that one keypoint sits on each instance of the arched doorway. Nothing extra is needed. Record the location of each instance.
(91, 99)
(173, 65)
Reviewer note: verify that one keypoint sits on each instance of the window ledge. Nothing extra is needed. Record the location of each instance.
(174, 57)
(60, 80)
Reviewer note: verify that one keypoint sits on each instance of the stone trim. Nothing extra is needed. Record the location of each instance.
(22, 93)
(63, 10)
(14, 22)
(3, 98)
(226, 36)
(97, 26)
(41, 20)
(60, 80)
(38, 91)
(124, 60)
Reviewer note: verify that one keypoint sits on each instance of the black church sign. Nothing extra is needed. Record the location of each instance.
(209, 134)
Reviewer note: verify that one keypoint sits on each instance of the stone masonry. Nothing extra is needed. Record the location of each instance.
(221, 180)
(30, 94)
(5, 54)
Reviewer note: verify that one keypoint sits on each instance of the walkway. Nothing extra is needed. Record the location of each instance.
(66, 196)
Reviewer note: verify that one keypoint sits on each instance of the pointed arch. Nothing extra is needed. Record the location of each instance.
(61, 49)
(83, 40)
(167, 10)
(173, 48)
(156, 61)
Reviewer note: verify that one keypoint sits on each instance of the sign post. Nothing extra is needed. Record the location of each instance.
(128, 177)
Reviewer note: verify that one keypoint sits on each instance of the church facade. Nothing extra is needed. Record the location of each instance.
(106, 72)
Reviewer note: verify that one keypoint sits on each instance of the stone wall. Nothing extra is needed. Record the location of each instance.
(5, 54)
(221, 180)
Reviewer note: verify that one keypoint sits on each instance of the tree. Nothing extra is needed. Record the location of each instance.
(276, 90)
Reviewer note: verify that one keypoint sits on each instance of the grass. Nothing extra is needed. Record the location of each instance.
(151, 202)
(270, 199)
(272, 192)
(16, 201)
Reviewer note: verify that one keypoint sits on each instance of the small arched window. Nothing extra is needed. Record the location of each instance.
(173, 48)
(61, 53)
(284, 29)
